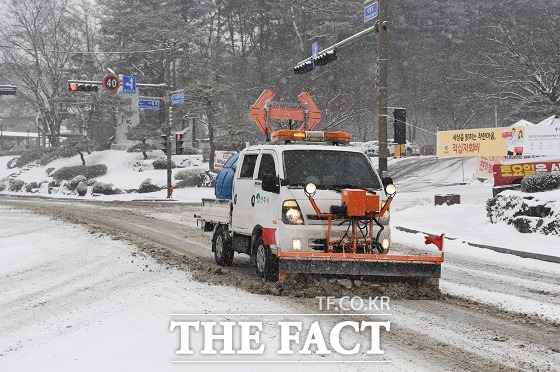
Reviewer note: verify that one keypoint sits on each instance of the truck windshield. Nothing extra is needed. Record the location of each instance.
(329, 169)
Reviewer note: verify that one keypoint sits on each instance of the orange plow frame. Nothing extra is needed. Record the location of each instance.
(352, 263)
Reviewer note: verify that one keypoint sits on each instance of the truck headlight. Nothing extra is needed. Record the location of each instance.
(391, 189)
(310, 189)
(291, 213)
(385, 245)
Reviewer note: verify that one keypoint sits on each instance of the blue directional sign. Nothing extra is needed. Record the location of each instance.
(178, 98)
(148, 104)
(371, 11)
(314, 52)
(129, 84)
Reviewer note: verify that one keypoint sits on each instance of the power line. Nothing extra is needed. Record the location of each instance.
(411, 125)
(81, 52)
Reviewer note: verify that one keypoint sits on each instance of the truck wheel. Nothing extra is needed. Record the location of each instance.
(222, 247)
(266, 263)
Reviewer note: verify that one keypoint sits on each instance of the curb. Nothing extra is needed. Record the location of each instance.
(535, 256)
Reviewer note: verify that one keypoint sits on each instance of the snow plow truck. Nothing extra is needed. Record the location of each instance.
(305, 203)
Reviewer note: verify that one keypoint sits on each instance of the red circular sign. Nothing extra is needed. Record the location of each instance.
(111, 83)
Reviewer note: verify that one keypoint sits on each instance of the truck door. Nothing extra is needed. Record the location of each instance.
(243, 193)
(266, 207)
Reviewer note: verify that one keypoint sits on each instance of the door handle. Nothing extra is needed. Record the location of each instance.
(253, 201)
(235, 199)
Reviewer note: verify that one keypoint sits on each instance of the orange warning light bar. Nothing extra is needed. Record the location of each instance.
(286, 135)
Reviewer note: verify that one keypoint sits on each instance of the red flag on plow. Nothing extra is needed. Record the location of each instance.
(437, 240)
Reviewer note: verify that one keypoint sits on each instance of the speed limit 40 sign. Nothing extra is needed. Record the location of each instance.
(111, 83)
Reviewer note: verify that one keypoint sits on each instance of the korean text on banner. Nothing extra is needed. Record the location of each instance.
(508, 141)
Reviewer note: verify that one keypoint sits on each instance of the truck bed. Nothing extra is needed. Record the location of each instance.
(216, 211)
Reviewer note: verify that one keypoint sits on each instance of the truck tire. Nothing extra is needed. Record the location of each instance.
(266, 263)
(222, 247)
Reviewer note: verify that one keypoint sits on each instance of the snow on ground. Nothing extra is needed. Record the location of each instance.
(76, 301)
(414, 208)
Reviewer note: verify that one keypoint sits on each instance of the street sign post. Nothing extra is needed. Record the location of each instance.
(129, 84)
(371, 11)
(148, 104)
(111, 83)
(178, 98)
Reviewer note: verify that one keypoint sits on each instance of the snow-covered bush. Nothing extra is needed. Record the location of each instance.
(31, 185)
(82, 188)
(187, 174)
(161, 163)
(540, 182)
(188, 150)
(142, 165)
(31, 155)
(195, 178)
(16, 185)
(2, 186)
(103, 188)
(526, 213)
(148, 186)
(88, 171)
(76, 180)
(12, 163)
(56, 153)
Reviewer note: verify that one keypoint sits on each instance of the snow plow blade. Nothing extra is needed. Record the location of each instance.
(372, 265)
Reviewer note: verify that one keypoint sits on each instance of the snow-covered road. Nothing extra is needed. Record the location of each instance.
(76, 300)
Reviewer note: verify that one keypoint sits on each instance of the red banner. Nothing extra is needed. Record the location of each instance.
(506, 174)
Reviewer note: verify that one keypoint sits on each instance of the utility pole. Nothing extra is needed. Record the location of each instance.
(1, 134)
(382, 65)
(167, 108)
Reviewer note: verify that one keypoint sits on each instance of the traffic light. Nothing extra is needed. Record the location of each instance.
(164, 143)
(399, 114)
(79, 87)
(8, 90)
(324, 58)
(179, 138)
(303, 68)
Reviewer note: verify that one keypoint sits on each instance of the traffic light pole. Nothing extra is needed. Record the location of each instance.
(344, 42)
(382, 64)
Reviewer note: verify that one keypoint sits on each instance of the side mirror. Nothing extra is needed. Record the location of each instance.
(271, 184)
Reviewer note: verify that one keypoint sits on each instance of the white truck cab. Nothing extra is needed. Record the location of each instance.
(270, 211)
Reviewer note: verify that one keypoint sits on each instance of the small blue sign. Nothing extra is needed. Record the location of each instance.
(371, 11)
(178, 98)
(148, 104)
(129, 84)
(314, 52)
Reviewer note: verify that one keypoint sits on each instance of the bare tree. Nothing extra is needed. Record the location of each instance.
(37, 43)
(523, 66)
